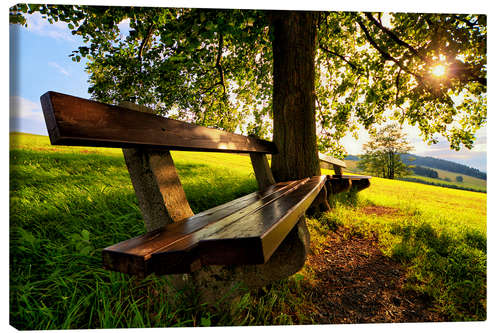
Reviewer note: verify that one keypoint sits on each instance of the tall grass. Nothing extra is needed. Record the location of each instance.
(67, 204)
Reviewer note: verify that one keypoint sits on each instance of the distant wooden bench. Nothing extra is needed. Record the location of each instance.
(339, 182)
(247, 230)
(331, 162)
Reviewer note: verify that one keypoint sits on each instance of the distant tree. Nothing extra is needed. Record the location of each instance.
(460, 179)
(447, 179)
(382, 153)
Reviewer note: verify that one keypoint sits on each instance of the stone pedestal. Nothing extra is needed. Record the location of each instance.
(222, 285)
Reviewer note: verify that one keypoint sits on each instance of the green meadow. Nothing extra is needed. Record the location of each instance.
(68, 203)
(445, 179)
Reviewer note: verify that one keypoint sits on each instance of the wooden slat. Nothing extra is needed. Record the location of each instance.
(250, 239)
(76, 121)
(339, 183)
(265, 229)
(352, 177)
(132, 256)
(331, 160)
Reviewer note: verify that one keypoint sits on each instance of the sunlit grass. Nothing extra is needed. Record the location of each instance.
(453, 208)
(67, 203)
(438, 233)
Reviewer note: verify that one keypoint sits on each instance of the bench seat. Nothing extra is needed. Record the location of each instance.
(244, 231)
(340, 183)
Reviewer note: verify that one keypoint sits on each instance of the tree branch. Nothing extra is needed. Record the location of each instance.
(145, 40)
(397, 86)
(395, 38)
(208, 89)
(353, 66)
(218, 66)
(218, 63)
(382, 52)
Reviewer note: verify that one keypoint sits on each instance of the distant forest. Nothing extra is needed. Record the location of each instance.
(426, 172)
(437, 163)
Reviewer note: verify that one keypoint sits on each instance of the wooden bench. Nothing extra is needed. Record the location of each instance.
(339, 182)
(247, 230)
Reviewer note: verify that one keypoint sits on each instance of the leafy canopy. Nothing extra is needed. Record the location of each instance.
(214, 67)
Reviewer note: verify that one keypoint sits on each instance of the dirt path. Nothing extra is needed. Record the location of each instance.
(356, 283)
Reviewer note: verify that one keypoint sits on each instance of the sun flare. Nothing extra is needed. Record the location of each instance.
(438, 70)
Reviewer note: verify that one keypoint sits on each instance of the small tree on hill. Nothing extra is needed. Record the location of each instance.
(382, 153)
(460, 179)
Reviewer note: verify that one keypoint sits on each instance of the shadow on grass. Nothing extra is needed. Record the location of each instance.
(448, 267)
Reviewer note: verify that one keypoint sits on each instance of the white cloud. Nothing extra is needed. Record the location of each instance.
(422, 148)
(59, 68)
(480, 144)
(25, 109)
(57, 30)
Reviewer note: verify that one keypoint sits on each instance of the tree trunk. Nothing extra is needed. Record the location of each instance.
(294, 116)
(391, 165)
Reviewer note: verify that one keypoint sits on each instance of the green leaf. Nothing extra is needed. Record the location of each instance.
(85, 235)
(205, 322)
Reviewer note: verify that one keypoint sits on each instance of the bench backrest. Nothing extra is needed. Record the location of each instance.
(146, 140)
(74, 121)
(336, 163)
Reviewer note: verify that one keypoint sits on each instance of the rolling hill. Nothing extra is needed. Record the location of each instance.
(434, 163)
(473, 179)
(437, 163)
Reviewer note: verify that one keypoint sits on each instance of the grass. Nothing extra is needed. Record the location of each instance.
(438, 233)
(468, 180)
(476, 185)
(67, 203)
(469, 183)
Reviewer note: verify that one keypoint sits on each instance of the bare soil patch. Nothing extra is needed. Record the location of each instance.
(356, 283)
(380, 210)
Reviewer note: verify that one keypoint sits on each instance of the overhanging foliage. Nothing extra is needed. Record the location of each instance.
(214, 67)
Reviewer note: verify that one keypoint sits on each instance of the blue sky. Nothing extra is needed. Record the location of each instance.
(39, 62)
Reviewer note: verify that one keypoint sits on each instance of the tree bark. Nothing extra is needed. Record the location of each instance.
(391, 165)
(294, 116)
